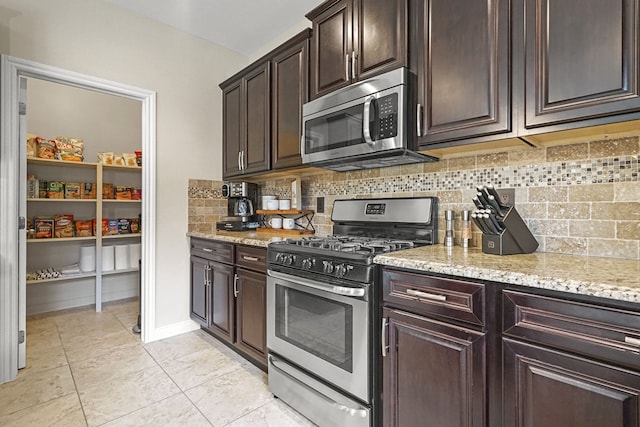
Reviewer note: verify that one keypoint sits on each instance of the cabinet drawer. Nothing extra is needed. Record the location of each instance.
(212, 250)
(605, 333)
(426, 295)
(252, 258)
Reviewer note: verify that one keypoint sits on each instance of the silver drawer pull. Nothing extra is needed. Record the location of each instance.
(434, 297)
(632, 341)
(207, 250)
(250, 258)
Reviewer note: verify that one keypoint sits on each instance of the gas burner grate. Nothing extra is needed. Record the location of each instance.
(353, 244)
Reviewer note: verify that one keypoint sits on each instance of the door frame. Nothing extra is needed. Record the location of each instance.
(11, 70)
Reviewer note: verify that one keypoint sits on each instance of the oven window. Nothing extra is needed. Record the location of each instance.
(318, 325)
(340, 129)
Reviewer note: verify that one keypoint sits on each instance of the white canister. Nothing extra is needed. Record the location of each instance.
(265, 201)
(276, 222)
(284, 204)
(288, 223)
(272, 205)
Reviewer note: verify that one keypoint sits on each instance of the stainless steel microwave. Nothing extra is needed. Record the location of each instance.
(364, 125)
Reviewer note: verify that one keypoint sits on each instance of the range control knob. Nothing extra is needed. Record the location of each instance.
(327, 267)
(290, 260)
(343, 269)
(307, 263)
(278, 257)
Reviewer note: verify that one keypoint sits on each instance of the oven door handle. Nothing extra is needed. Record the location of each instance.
(338, 290)
(354, 412)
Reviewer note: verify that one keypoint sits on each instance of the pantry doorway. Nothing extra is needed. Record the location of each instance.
(14, 73)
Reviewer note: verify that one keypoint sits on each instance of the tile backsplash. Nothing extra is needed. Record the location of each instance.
(579, 199)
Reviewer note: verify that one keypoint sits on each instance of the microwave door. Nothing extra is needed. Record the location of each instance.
(336, 132)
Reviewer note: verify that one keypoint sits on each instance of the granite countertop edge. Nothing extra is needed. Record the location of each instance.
(616, 279)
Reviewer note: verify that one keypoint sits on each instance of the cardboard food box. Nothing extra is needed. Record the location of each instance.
(88, 190)
(43, 189)
(44, 227)
(72, 190)
(63, 226)
(55, 190)
(136, 194)
(107, 191)
(104, 227)
(123, 193)
(113, 227)
(124, 226)
(84, 228)
(134, 225)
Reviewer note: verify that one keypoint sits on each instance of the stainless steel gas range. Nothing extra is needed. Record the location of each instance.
(323, 310)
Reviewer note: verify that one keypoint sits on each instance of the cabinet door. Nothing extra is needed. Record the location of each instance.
(232, 129)
(256, 152)
(545, 388)
(331, 48)
(581, 59)
(222, 301)
(433, 374)
(252, 314)
(289, 84)
(464, 69)
(380, 36)
(199, 290)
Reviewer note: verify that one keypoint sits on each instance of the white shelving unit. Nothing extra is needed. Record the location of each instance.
(59, 252)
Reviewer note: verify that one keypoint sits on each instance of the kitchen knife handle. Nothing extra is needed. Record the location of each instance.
(385, 347)
(477, 202)
(419, 119)
(493, 192)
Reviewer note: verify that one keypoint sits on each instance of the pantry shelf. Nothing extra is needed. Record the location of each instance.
(61, 239)
(64, 277)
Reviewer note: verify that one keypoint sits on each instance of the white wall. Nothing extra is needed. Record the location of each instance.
(102, 40)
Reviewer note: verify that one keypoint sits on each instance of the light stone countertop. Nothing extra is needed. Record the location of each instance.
(617, 279)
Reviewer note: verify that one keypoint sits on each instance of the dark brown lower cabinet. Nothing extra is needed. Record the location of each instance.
(433, 374)
(547, 388)
(228, 295)
(251, 314)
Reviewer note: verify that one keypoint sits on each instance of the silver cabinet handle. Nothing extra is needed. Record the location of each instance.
(353, 64)
(632, 341)
(205, 276)
(346, 68)
(425, 295)
(207, 250)
(239, 165)
(385, 347)
(250, 258)
(235, 285)
(242, 165)
(419, 119)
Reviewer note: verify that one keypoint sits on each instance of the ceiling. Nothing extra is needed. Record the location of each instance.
(243, 26)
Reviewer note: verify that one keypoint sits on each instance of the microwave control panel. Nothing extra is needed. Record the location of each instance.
(388, 116)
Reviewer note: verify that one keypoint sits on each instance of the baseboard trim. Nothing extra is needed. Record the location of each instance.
(172, 330)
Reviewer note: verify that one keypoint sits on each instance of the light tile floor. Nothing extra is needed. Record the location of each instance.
(89, 369)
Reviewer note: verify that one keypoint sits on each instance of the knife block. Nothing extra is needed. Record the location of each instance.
(516, 238)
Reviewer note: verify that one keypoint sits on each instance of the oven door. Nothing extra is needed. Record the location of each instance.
(321, 328)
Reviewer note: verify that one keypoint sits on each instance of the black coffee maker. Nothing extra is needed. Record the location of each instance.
(241, 200)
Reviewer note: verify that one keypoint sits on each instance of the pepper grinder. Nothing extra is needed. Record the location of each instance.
(448, 236)
(466, 229)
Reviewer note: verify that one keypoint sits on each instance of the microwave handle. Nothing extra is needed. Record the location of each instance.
(366, 131)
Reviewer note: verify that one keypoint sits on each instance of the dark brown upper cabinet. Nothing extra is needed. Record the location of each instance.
(354, 40)
(463, 69)
(289, 90)
(581, 60)
(246, 121)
